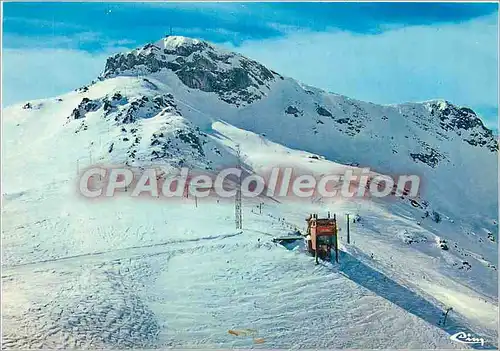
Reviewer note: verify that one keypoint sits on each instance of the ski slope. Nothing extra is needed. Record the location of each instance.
(92, 275)
(188, 290)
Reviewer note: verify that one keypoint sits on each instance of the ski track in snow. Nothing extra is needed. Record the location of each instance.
(188, 293)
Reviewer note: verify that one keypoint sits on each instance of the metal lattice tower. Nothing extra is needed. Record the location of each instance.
(237, 199)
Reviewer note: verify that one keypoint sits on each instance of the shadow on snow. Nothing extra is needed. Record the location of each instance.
(385, 287)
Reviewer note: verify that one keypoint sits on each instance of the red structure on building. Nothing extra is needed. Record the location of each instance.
(322, 237)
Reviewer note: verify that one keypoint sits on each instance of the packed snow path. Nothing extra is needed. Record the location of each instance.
(189, 292)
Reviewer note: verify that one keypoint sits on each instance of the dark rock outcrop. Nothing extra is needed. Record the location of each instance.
(235, 79)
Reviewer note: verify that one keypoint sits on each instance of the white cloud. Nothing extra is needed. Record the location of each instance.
(40, 73)
(16, 41)
(457, 62)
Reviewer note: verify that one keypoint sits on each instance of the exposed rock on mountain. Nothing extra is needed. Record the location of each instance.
(170, 94)
(236, 79)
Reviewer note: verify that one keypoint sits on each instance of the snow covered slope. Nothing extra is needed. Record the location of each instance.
(149, 273)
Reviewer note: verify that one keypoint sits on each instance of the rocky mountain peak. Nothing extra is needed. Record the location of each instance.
(199, 65)
(463, 121)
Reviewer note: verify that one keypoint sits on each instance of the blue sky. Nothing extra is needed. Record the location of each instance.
(380, 52)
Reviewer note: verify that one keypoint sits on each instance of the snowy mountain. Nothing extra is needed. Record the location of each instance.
(184, 102)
